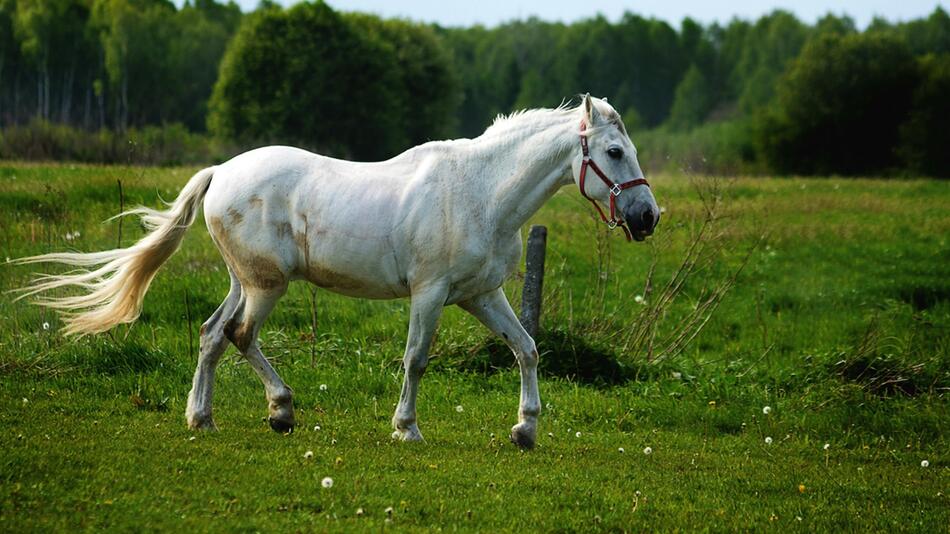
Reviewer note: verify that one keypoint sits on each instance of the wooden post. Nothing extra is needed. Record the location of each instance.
(533, 280)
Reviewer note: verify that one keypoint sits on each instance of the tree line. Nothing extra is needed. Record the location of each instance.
(770, 95)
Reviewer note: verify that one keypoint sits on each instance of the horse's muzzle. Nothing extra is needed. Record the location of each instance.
(641, 219)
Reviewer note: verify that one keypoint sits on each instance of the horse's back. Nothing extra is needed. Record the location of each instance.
(282, 213)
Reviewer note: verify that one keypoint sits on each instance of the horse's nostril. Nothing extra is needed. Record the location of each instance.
(647, 218)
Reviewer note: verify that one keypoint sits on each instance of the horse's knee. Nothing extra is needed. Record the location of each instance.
(528, 356)
(415, 363)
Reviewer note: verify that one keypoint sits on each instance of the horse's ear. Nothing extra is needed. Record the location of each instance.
(590, 111)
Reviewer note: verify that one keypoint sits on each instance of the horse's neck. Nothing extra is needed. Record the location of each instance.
(528, 170)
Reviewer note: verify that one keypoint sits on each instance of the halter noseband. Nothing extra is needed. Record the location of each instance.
(615, 189)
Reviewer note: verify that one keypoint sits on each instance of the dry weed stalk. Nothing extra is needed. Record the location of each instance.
(642, 336)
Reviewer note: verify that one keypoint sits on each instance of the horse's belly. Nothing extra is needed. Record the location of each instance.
(368, 274)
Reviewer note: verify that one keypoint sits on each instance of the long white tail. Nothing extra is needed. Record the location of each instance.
(114, 291)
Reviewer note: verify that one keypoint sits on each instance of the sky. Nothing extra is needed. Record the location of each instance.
(493, 12)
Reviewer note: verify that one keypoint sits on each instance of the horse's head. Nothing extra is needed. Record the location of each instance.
(607, 171)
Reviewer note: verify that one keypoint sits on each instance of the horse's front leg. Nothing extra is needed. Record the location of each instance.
(424, 312)
(493, 310)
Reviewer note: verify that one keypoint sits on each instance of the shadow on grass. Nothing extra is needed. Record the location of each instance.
(562, 355)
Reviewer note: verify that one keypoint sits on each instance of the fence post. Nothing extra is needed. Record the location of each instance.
(533, 280)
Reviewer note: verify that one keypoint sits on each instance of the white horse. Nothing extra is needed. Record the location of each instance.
(438, 223)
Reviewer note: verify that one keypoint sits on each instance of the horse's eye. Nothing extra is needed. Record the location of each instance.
(615, 152)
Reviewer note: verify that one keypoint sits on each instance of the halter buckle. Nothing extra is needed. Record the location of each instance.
(615, 190)
(611, 224)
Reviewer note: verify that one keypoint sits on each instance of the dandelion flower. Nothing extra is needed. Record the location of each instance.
(924, 463)
(620, 450)
(359, 512)
(767, 410)
(323, 387)
(316, 427)
(192, 438)
(648, 450)
(308, 455)
(577, 434)
(388, 510)
(827, 446)
(327, 482)
(768, 440)
(550, 434)
(45, 325)
(459, 408)
(25, 400)
(638, 299)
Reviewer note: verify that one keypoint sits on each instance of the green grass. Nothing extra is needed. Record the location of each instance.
(840, 323)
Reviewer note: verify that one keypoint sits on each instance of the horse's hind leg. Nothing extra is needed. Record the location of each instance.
(242, 330)
(212, 345)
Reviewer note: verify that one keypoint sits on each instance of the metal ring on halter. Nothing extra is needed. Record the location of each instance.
(611, 224)
(616, 190)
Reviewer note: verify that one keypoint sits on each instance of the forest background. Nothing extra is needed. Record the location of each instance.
(145, 82)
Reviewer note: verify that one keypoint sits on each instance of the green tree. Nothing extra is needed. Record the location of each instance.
(839, 108)
(428, 87)
(693, 100)
(305, 76)
(768, 47)
(925, 138)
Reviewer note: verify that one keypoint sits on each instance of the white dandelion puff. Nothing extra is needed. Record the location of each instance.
(577, 434)
(308, 455)
(360, 512)
(388, 510)
(459, 408)
(924, 463)
(620, 450)
(316, 428)
(768, 440)
(639, 299)
(45, 325)
(767, 410)
(827, 446)
(323, 387)
(327, 482)
(648, 450)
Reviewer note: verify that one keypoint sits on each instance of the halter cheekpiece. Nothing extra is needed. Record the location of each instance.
(615, 188)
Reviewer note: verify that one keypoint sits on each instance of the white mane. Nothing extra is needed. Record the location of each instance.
(527, 121)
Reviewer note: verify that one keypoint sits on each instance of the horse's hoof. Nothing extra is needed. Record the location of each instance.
(205, 424)
(522, 436)
(280, 426)
(411, 434)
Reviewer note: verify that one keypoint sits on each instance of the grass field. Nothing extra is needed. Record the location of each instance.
(839, 323)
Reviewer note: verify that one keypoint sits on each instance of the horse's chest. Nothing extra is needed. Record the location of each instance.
(484, 268)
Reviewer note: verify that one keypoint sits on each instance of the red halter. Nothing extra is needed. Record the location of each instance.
(615, 189)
